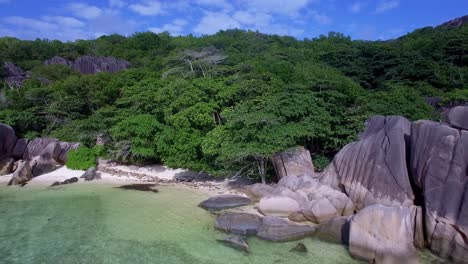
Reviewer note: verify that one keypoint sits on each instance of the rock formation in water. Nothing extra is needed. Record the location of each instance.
(224, 201)
(42, 155)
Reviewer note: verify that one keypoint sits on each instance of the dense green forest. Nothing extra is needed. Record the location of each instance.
(224, 103)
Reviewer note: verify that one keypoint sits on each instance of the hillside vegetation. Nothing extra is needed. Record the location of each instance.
(224, 103)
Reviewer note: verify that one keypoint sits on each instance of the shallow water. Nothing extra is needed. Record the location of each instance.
(102, 224)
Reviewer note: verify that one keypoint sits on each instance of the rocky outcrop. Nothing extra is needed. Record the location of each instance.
(93, 65)
(293, 162)
(190, 176)
(57, 60)
(49, 147)
(381, 234)
(224, 201)
(259, 190)
(280, 230)
(91, 174)
(458, 117)
(239, 223)
(439, 167)
(335, 230)
(65, 182)
(22, 174)
(373, 169)
(14, 75)
(20, 148)
(7, 141)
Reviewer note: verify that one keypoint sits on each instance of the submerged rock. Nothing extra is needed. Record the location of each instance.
(300, 248)
(90, 175)
(280, 230)
(293, 162)
(140, 187)
(239, 223)
(373, 170)
(224, 201)
(67, 181)
(381, 234)
(236, 242)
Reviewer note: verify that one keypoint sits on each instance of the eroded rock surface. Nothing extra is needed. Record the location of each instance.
(22, 174)
(236, 242)
(278, 229)
(14, 75)
(439, 165)
(293, 162)
(381, 234)
(458, 117)
(91, 174)
(93, 65)
(239, 223)
(373, 169)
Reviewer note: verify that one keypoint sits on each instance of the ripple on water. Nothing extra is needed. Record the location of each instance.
(102, 224)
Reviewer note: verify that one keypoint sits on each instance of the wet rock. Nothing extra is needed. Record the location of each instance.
(293, 162)
(458, 117)
(67, 181)
(381, 234)
(373, 169)
(239, 223)
(299, 248)
(335, 230)
(140, 187)
(90, 175)
(278, 229)
(22, 174)
(236, 242)
(189, 176)
(224, 201)
(439, 166)
(278, 206)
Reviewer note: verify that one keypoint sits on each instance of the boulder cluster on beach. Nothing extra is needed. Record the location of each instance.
(400, 187)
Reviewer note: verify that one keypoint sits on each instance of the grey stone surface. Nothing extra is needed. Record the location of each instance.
(239, 223)
(224, 201)
(293, 162)
(278, 229)
(458, 117)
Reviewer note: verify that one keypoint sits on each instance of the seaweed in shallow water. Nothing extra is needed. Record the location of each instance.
(139, 187)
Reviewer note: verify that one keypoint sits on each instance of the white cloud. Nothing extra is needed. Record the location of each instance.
(223, 4)
(65, 21)
(258, 19)
(117, 3)
(85, 10)
(30, 23)
(289, 7)
(175, 28)
(384, 6)
(320, 18)
(213, 22)
(148, 8)
(356, 7)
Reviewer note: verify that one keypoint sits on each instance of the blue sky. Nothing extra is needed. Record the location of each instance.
(86, 19)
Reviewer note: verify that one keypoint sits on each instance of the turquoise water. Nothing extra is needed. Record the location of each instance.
(102, 224)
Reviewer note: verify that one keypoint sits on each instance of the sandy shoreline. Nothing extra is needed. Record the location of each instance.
(123, 175)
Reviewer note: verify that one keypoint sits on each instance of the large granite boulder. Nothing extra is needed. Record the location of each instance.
(49, 147)
(439, 167)
(239, 223)
(293, 162)
(458, 117)
(335, 230)
(22, 174)
(259, 190)
(373, 169)
(57, 60)
(280, 230)
(381, 234)
(93, 65)
(278, 206)
(7, 141)
(20, 148)
(14, 75)
(224, 201)
(6, 166)
(90, 175)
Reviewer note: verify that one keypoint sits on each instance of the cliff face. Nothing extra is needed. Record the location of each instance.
(14, 75)
(91, 64)
(457, 22)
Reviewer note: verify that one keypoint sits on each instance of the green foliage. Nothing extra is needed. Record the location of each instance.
(82, 158)
(320, 162)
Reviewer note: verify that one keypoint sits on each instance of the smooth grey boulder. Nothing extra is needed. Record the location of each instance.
(236, 242)
(277, 229)
(458, 117)
(278, 206)
(335, 230)
(293, 162)
(258, 191)
(20, 148)
(439, 167)
(65, 182)
(7, 141)
(239, 223)
(92, 64)
(224, 201)
(50, 147)
(190, 176)
(373, 169)
(91, 175)
(22, 174)
(382, 234)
